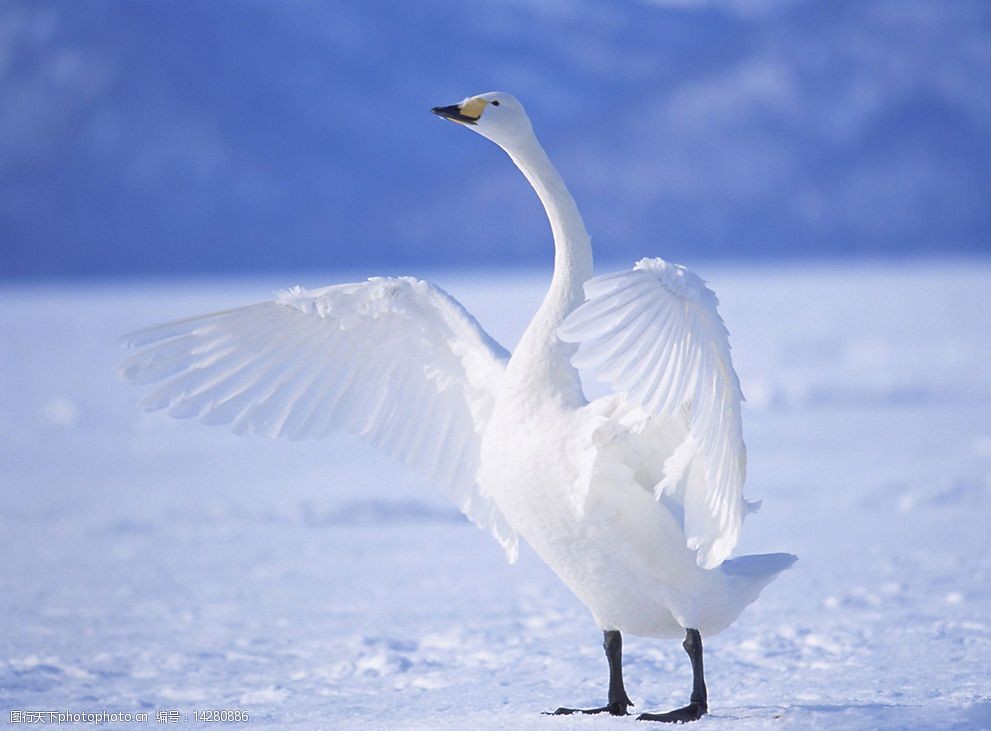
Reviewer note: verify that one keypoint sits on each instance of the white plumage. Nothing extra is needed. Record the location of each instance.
(634, 499)
(394, 360)
(655, 336)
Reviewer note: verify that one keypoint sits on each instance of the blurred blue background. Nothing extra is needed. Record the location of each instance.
(160, 137)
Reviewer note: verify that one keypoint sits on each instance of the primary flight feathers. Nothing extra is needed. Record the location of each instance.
(655, 336)
(396, 361)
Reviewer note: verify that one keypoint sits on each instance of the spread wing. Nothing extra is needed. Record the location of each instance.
(654, 334)
(397, 361)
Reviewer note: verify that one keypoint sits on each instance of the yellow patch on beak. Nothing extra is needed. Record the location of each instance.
(473, 108)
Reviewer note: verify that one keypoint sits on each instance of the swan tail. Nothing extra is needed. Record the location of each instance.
(760, 565)
(748, 575)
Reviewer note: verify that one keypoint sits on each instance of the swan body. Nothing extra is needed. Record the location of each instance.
(634, 499)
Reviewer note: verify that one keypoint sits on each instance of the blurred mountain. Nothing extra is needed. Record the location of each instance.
(149, 136)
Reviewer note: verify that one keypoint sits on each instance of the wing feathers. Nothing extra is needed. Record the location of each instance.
(655, 335)
(394, 360)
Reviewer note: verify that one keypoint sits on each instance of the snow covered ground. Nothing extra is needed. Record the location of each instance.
(149, 564)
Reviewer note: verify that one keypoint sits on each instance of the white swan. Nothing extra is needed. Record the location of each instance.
(634, 499)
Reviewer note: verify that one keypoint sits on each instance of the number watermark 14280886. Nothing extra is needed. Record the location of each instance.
(52, 718)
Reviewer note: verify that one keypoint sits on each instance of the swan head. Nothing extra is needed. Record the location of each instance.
(495, 115)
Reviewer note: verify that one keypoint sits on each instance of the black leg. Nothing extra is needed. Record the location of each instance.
(612, 643)
(699, 704)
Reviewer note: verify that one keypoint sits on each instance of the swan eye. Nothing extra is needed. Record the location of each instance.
(495, 102)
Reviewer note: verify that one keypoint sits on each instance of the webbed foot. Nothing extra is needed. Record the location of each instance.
(691, 712)
(617, 708)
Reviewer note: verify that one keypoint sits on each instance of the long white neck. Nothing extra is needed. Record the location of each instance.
(541, 359)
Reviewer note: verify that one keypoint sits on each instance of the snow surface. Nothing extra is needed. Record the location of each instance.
(150, 564)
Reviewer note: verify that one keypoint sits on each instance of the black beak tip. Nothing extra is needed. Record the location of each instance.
(448, 111)
(452, 112)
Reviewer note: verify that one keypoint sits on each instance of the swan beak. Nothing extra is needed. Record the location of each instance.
(453, 113)
(467, 112)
